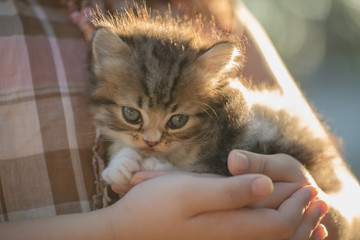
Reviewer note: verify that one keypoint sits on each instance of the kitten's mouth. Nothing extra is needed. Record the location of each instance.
(148, 150)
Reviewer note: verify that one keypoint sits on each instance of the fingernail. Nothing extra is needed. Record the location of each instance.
(261, 186)
(324, 208)
(325, 232)
(320, 233)
(314, 193)
(241, 162)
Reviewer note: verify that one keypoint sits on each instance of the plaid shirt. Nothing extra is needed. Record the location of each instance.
(46, 133)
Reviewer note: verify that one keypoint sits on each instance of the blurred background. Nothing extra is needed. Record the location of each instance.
(319, 41)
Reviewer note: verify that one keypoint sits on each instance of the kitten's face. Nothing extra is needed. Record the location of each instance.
(153, 130)
(158, 97)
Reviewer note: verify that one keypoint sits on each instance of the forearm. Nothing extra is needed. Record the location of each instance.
(87, 226)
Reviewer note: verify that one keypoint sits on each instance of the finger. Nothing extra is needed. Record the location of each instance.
(217, 194)
(319, 233)
(121, 189)
(279, 167)
(312, 217)
(281, 192)
(146, 175)
(275, 224)
(294, 207)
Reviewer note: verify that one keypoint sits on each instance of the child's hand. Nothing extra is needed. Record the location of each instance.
(287, 174)
(200, 206)
(289, 178)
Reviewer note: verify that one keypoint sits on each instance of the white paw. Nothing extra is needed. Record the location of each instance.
(122, 166)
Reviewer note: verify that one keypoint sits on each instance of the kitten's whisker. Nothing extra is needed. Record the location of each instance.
(209, 107)
(208, 113)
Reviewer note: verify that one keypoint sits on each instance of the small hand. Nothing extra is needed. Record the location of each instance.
(287, 174)
(202, 206)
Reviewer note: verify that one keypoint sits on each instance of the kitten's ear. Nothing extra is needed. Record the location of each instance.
(223, 56)
(106, 43)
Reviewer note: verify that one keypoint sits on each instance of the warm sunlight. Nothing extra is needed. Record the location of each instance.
(233, 63)
(291, 98)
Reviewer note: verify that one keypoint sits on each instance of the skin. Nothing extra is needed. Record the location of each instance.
(188, 206)
(288, 176)
(342, 220)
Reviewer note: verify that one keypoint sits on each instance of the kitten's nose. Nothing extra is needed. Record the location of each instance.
(152, 136)
(151, 144)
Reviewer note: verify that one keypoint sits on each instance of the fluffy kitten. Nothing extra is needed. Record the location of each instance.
(168, 94)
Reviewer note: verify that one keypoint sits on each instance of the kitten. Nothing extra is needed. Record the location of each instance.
(168, 94)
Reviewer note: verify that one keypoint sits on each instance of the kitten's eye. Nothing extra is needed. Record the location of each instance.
(131, 115)
(178, 121)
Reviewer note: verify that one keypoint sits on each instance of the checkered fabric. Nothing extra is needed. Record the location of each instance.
(46, 133)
